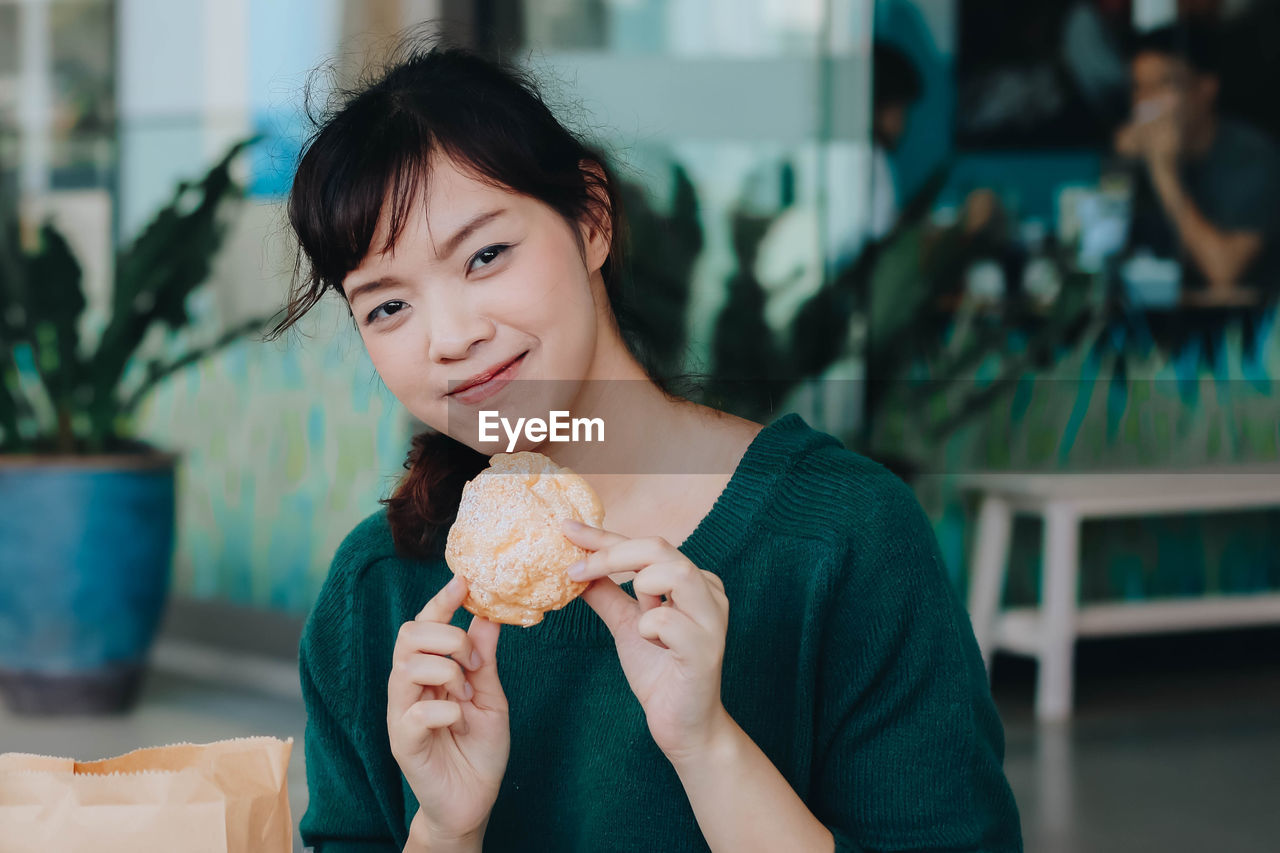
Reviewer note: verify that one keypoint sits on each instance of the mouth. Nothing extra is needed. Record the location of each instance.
(488, 383)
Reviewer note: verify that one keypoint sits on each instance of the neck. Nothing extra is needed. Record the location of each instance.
(644, 431)
(1200, 140)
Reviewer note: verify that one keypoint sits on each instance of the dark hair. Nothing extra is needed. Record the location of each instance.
(1195, 43)
(375, 146)
(894, 77)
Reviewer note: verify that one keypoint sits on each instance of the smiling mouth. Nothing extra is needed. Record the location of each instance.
(498, 376)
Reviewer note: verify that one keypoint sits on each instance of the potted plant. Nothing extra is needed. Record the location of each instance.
(87, 511)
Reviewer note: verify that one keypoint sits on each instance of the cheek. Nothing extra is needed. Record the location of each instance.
(388, 366)
(550, 288)
(403, 367)
(555, 304)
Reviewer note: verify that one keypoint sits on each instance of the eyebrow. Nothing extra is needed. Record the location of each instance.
(450, 246)
(370, 287)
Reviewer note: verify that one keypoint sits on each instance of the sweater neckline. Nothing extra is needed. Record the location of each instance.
(725, 526)
(749, 487)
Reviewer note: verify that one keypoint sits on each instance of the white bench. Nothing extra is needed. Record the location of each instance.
(1064, 500)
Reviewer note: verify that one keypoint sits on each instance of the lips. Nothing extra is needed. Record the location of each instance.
(481, 378)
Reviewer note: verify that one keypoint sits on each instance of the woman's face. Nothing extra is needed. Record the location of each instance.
(480, 276)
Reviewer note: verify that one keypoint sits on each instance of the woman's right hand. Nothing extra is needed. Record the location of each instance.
(447, 718)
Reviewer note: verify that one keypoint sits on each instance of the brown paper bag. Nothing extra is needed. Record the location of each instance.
(225, 797)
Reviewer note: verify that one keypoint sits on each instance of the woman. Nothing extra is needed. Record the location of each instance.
(840, 703)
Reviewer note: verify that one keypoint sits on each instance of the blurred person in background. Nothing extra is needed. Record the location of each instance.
(896, 86)
(862, 202)
(1209, 187)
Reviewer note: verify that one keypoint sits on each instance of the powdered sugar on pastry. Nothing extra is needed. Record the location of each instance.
(507, 541)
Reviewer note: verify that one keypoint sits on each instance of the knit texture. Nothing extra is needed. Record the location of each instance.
(849, 661)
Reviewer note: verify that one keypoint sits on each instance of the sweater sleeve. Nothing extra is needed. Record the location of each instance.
(910, 744)
(343, 815)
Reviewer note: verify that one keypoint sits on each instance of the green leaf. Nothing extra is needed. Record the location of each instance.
(156, 274)
(655, 294)
(750, 371)
(55, 301)
(42, 300)
(157, 371)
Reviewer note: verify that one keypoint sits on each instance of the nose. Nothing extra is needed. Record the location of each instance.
(455, 327)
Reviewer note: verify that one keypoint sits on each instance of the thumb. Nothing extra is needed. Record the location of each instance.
(484, 680)
(613, 605)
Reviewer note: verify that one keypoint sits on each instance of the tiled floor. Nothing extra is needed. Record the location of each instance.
(1175, 745)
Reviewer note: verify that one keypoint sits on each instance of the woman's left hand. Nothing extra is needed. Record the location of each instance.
(671, 651)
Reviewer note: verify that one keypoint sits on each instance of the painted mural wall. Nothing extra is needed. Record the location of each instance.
(1165, 411)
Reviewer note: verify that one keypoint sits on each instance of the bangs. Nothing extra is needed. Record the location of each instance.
(380, 160)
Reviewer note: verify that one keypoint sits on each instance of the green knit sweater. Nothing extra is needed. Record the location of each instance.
(849, 661)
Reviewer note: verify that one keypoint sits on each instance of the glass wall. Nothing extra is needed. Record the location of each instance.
(1096, 286)
(742, 129)
(57, 94)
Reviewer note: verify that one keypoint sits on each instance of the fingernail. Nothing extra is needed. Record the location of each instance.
(475, 659)
(577, 570)
(468, 691)
(572, 524)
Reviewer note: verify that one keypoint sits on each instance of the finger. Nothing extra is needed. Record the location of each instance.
(433, 638)
(410, 676)
(614, 606)
(424, 719)
(676, 631)
(591, 538)
(629, 555)
(444, 603)
(687, 587)
(489, 694)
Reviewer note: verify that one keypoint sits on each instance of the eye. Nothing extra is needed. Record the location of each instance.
(486, 256)
(373, 315)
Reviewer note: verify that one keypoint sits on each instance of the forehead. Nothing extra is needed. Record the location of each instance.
(448, 196)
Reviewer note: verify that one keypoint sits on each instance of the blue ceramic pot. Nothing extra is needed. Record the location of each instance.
(86, 550)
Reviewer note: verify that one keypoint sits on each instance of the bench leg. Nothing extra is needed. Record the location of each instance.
(1058, 612)
(990, 561)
